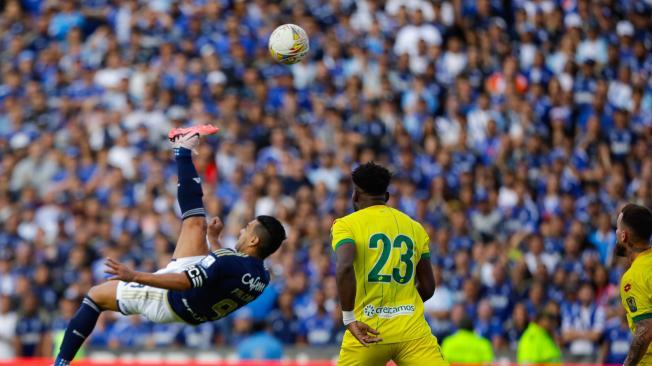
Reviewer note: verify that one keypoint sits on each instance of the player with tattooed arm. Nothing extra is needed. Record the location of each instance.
(633, 232)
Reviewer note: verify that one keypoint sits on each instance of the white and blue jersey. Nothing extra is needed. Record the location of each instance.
(618, 337)
(222, 282)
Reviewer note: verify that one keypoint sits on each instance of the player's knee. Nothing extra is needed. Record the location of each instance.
(95, 293)
(99, 295)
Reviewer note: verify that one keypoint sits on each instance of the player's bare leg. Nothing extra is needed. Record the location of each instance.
(192, 239)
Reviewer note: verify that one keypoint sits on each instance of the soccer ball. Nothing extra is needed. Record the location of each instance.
(288, 44)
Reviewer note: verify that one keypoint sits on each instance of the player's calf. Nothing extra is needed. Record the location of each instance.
(80, 327)
(99, 298)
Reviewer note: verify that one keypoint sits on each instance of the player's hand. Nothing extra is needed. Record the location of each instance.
(215, 226)
(119, 271)
(213, 232)
(364, 333)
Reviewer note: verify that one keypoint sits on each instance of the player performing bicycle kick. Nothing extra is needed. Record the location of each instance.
(196, 286)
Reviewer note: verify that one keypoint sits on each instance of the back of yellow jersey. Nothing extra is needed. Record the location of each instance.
(388, 244)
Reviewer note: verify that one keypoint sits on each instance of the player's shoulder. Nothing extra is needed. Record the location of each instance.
(405, 219)
(643, 262)
(639, 269)
(636, 278)
(347, 221)
(226, 255)
(223, 252)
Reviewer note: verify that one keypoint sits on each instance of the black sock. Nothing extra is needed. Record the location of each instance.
(189, 192)
(80, 327)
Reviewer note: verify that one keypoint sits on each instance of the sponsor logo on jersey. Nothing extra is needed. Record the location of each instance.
(255, 284)
(387, 312)
(194, 315)
(631, 303)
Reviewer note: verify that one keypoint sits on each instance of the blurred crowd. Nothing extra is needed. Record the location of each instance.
(514, 129)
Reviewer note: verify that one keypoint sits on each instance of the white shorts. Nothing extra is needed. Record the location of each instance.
(151, 302)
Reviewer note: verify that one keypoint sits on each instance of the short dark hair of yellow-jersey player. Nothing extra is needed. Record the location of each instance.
(633, 232)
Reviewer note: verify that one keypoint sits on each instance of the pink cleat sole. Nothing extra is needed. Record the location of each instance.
(202, 130)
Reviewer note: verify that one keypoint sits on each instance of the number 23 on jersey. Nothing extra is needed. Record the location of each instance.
(403, 245)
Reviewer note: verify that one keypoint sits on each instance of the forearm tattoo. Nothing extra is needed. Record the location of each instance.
(640, 343)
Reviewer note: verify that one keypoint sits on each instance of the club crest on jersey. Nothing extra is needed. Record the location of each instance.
(255, 284)
(631, 303)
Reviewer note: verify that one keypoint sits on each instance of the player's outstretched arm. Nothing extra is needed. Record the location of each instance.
(168, 281)
(346, 287)
(640, 343)
(425, 280)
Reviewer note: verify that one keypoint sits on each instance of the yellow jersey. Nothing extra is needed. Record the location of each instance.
(388, 245)
(636, 294)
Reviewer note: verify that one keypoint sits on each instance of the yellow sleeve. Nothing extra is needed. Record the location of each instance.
(341, 234)
(424, 243)
(635, 291)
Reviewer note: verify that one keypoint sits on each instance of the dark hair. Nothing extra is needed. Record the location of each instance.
(259, 326)
(372, 178)
(271, 235)
(638, 220)
(543, 313)
(466, 323)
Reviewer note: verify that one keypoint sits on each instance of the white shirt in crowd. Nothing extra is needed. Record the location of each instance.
(7, 332)
(409, 36)
(584, 319)
(620, 95)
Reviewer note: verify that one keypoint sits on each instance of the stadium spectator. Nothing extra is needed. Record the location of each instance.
(516, 325)
(67, 307)
(204, 336)
(604, 239)
(260, 345)
(487, 325)
(583, 323)
(538, 343)
(318, 328)
(283, 321)
(130, 332)
(617, 338)
(8, 320)
(498, 292)
(103, 330)
(243, 323)
(32, 336)
(465, 346)
(439, 306)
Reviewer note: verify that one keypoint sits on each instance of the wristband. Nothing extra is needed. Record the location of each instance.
(348, 317)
